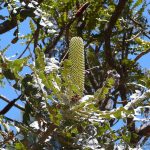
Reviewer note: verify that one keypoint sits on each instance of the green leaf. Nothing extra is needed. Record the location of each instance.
(32, 26)
(11, 69)
(117, 114)
(74, 131)
(126, 137)
(40, 61)
(19, 146)
(17, 65)
(137, 3)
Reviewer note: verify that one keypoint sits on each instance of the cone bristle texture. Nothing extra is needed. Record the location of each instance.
(76, 55)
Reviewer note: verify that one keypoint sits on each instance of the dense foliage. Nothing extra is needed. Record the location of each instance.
(78, 81)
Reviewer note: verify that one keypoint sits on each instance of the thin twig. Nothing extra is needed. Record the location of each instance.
(64, 56)
(25, 48)
(87, 70)
(140, 25)
(134, 37)
(12, 87)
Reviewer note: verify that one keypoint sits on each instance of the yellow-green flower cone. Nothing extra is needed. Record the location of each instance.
(76, 56)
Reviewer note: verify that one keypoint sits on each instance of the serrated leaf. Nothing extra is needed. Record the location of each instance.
(117, 114)
(16, 66)
(40, 61)
(127, 137)
(32, 26)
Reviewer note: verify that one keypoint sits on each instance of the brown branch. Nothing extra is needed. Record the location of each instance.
(9, 105)
(140, 25)
(44, 135)
(121, 102)
(8, 101)
(115, 16)
(108, 52)
(108, 31)
(13, 21)
(82, 9)
(144, 130)
(141, 55)
(25, 48)
(36, 33)
(91, 76)
(53, 43)
(136, 22)
(134, 37)
(49, 131)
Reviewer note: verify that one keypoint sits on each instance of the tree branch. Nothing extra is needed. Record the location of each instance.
(140, 25)
(134, 37)
(26, 48)
(115, 16)
(141, 55)
(12, 120)
(12, 23)
(22, 12)
(144, 130)
(44, 135)
(52, 44)
(8, 101)
(10, 104)
(108, 31)
(135, 102)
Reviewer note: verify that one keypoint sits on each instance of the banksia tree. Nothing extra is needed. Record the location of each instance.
(77, 69)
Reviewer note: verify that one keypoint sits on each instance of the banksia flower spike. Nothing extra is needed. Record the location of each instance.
(77, 69)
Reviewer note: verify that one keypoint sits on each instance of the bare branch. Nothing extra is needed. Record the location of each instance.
(25, 48)
(144, 130)
(140, 25)
(142, 54)
(10, 104)
(12, 23)
(134, 37)
(108, 31)
(12, 120)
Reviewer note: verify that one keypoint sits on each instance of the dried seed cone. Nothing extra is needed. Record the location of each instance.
(77, 69)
